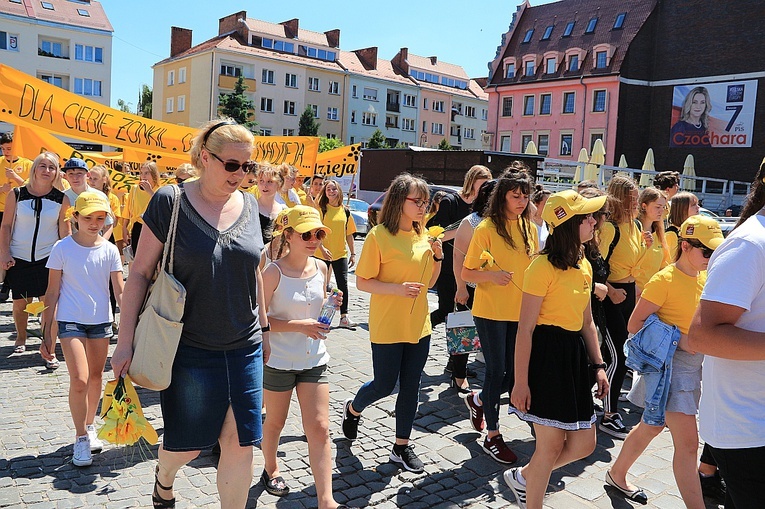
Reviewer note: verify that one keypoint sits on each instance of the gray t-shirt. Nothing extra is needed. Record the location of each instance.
(218, 270)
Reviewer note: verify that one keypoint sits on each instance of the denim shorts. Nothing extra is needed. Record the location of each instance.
(205, 383)
(80, 330)
(283, 380)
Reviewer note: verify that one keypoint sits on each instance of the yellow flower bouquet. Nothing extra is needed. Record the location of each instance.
(124, 423)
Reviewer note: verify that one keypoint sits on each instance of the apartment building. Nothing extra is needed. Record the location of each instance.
(64, 42)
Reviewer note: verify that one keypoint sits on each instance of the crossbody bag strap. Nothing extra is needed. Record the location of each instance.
(614, 242)
(167, 261)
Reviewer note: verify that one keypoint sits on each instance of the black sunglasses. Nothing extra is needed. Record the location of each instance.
(232, 166)
(319, 234)
(705, 251)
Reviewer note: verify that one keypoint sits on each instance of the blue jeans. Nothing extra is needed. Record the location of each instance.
(498, 346)
(402, 362)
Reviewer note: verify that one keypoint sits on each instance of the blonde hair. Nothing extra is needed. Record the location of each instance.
(678, 211)
(324, 199)
(619, 202)
(269, 171)
(104, 173)
(45, 156)
(476, 172)
(214, 135)
(186, 169)
(153, 170)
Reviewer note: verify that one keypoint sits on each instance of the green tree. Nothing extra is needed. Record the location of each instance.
(308, 125)
(444, 145)
(145, 96)
(401, 144)
(326, 144)
(377, 140)
(238, 106)
(123, 106)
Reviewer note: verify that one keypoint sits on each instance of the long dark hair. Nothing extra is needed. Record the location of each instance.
(591, 247)
(564, 245)
(510, 180)
(755, 200)
(482, 198)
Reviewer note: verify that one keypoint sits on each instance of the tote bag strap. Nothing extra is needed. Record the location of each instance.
(167, 261)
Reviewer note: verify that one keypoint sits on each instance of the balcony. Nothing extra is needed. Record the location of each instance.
(228, 82)
(393, 106)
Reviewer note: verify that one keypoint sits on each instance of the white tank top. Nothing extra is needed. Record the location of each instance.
(297, 299)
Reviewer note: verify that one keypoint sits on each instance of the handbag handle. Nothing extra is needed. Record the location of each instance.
(170, 246)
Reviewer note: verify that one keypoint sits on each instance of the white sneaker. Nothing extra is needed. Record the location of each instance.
(519, 490)
(96, 445)
(347, 323)
(82, 456)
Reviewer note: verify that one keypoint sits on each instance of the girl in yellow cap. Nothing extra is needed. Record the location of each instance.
(80, 269)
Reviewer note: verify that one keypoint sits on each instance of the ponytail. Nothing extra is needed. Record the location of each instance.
(755, 200)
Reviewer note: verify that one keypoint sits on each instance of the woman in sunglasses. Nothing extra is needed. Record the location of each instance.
(398, 264)
(217, 375)
(673, 294)
(295, 291)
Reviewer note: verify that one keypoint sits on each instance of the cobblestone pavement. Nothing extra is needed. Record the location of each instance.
(36, 438)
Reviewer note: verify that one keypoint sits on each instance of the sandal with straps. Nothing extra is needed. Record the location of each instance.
(276, 486)
(157, 501)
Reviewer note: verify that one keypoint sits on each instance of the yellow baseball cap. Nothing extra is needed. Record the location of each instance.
(564, 205)
(704, 229)
(89, 202)
(301, 218)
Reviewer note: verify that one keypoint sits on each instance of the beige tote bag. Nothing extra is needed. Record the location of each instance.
(158, 332)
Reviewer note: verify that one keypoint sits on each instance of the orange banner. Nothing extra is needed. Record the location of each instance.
(339, 162)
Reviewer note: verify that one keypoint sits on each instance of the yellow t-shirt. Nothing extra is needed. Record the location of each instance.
(341, 225)
(301, 193)
(671, 244)
(492, 301)
(398, 258)
(654, 259)
(677, 294)
(566, 292)
(21, 167)
(137, 201)
(627, 251)
(114, 203)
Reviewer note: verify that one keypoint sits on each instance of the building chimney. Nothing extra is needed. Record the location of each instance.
(401, 60)
(433, 60)
(180, 40)
(233, 23)
(368, 57)
(291, 28)
(333, 38)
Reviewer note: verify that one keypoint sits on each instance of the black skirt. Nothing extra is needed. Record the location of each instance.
(27, 279)
(559, 380)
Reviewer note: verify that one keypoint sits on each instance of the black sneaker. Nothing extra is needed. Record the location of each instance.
(613, 426)
(350, 422)
(5, 291)
(713, 487)
(404, 455)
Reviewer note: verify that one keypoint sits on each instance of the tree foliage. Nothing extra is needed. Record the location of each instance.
(326, 144)
(145, 101)
(238, 106)
(308, 125)
(444, 145)
(377, 140)
(123, 106)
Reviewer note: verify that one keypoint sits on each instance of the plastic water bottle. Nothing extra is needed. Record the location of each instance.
(328, 309)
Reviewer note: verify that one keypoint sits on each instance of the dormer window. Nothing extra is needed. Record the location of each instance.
(619, 23)
(569, 29)
(529, 68)
(601, 59)
(548, 33)
(528, 36)
(573, 63)
(591, 25)
(47, 5)
(510, 73)
(83, 12)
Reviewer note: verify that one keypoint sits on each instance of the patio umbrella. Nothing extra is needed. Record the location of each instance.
(623, 162)
(583, 158)
(689, 171)
(531, 149)
(598, 158)
(648, 165)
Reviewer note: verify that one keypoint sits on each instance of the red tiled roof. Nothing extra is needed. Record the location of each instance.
(64, 12)
(560, 14)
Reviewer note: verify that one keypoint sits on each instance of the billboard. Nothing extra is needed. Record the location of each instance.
(713, 115)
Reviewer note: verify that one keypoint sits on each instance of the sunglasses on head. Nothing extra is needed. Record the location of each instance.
(319, 234)
(232, 166)
(705, 251)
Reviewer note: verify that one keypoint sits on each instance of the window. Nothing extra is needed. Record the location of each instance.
(410, 100)
(182, 75)
(181, 103)
(619, 23)
(569, 28)
(47, 5)
(438, 106)
(368, 118)
(529, 35)
(507, 106)
(313, 84)
(484, 114)
(470, 111)
(593, 138)
(504, 145)
(230, 70)
(469, 133)
(170, 78)
(334, 88)
(391, 121)
(290, 80)
(266, 105)
(573, 63)
(455, 131)
(354, 93)
(548, 33)
(289, 107)
(601, 57)
(265, 131)
(437, 128)
(566, 141)
(569, 99)
(407, 124)
(288, 132)
(314, 110)
(545, 104)
(321, 54)
(353, 117)
(510, 71)
(331, 113)
(528, 105)
(552, 66)
(168, 105)
(9, 41)
(52, 49)
(268, 77)
(88, 53)
(370, 94)
(424, 104)
(83, 12)
(424, 126)
(87, 86)
(287, 47)
(591, 25)
(599, 101)
(525, 140)
(543, 144)
(529, 68)
(53, 80)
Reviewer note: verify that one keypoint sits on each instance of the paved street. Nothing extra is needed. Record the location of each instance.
(36, 447)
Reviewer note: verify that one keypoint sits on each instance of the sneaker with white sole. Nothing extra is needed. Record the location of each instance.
(518, 489)
(614, 426)
(404, 455)
(350, 422)
(347, 323)
(498, 449)
(96, 445)
(476, 412)
(82, 456)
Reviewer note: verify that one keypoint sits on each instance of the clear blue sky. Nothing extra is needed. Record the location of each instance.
(460, 32)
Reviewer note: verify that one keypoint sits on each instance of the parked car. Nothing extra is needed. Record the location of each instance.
(726, 223)
(374, 209)
(359, 213)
